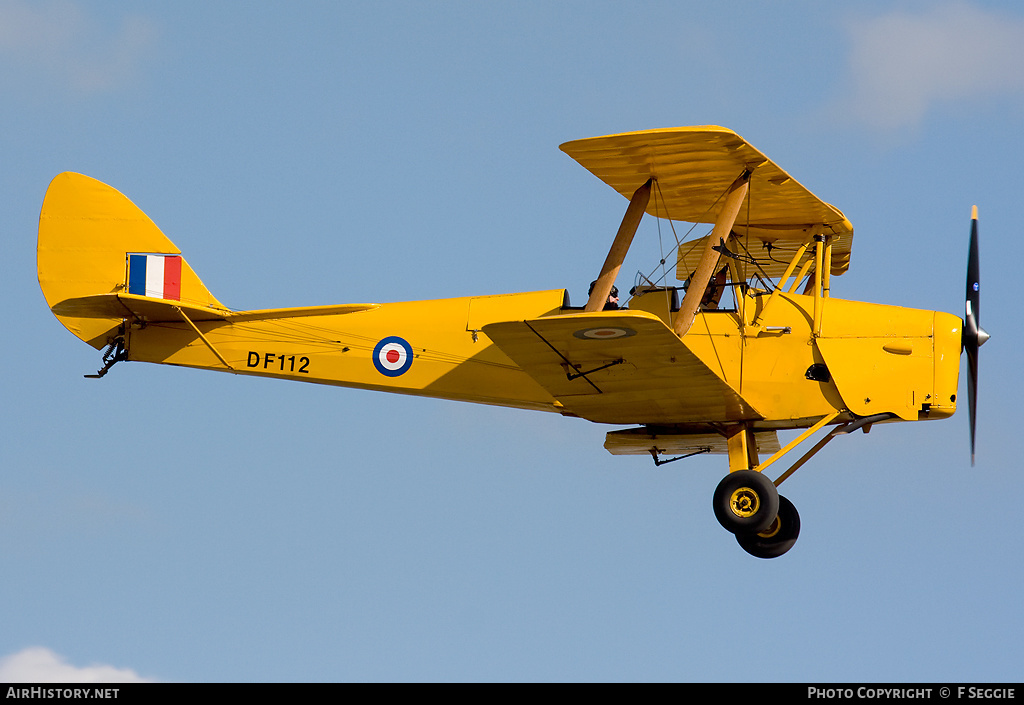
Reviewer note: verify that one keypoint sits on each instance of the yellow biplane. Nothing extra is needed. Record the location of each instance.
(751, 342)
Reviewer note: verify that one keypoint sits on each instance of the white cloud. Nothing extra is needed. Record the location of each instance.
(59, 42)
(40, 665)
(902, 63)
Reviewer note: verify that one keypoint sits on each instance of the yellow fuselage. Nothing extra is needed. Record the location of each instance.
(865, 358)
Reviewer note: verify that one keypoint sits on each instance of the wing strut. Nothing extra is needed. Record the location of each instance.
(706, 269)
(203, 337)
(619, 248)
(825, 420)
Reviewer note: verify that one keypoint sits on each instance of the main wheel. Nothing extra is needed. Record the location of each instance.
(746, 502)
(777, 538)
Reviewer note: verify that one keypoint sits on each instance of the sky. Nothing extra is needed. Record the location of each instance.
(178, 525)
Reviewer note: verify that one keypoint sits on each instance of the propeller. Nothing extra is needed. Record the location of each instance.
(974, 336)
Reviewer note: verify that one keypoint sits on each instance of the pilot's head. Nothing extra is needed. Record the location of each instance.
(613, 295)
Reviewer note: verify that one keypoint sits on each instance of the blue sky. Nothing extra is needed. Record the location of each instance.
(177, 525)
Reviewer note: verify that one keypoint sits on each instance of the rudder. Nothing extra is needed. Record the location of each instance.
(93, 240)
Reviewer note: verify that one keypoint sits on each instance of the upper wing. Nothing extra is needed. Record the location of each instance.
(771, 251)
(619, 367)
(693, 167)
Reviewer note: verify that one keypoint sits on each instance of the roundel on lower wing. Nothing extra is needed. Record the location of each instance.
(604, 333)
(392, 356)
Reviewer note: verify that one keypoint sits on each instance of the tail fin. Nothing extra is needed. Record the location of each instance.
(94, 243)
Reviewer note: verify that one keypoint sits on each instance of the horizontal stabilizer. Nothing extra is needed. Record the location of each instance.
(145, 308)
(268, 314)
(120, 306)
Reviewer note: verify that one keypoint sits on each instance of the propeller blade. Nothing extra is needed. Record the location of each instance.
(972, 387)
(973, 277)
(974, 336)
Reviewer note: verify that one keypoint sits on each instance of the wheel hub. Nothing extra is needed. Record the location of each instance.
(772, 530)
(744, 502)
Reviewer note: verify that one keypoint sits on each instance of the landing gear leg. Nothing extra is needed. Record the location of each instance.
(745, 500)
(748, 504)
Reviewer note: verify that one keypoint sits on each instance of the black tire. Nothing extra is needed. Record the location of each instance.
(777, 538)
(746, 502)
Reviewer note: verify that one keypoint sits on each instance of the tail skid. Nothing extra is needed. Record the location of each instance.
(115, 353)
